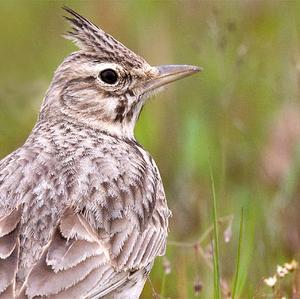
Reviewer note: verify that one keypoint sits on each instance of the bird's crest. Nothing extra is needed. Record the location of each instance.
(90, 38)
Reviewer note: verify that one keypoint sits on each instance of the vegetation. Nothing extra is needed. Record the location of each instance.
(240, 117)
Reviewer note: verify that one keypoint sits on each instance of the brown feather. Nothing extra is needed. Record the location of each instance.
(9, 222)
(8, 269)
(63, 255)
(8, 243)
(8, 293)
(43, 281)
(9, 251)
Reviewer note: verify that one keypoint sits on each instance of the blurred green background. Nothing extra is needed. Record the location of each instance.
(241, 115)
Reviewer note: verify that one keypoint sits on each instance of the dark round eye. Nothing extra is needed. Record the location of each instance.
(109, 76)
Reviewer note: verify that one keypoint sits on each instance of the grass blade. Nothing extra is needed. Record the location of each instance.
(163, 286)
(237, 271)
(216, 262)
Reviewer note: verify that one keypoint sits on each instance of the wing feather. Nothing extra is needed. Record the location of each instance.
(88, 283)
(8, 244)
(8, 223)
(81, 263)
(73, 263)
(43, 281)
(9, 252)
(68, 254)
(8, 293)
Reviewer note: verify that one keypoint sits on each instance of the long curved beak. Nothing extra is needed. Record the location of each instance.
(168, 74)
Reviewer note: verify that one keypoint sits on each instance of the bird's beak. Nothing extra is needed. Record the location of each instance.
(168, 74)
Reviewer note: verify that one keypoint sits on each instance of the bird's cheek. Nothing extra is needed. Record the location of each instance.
(109, 106)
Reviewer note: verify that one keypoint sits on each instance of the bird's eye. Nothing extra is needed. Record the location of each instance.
(109, 76)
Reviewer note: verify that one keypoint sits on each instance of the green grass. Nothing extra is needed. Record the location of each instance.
(215, 242)
(238, 257)
(239, 108)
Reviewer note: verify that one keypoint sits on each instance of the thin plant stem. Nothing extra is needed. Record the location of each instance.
(163, 284)
(155, 295)
(216, 263)
(203, 237)
(238, 265)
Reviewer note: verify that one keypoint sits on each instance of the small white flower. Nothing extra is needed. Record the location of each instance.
(270, 281)
(282, 271)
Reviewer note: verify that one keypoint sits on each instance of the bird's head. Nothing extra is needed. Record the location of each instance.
(104, 85)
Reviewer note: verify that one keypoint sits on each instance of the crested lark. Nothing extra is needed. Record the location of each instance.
(83, 212)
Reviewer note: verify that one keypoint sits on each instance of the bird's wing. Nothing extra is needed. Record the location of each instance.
(79, 258)
(9, 252)
(74, 261)
(133, 248)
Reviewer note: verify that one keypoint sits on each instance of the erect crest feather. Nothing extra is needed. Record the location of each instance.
(88, 37)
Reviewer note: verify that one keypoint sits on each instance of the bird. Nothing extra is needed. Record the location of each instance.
(83, 212)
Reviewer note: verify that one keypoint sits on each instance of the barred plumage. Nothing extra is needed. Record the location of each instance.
(83, 212)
